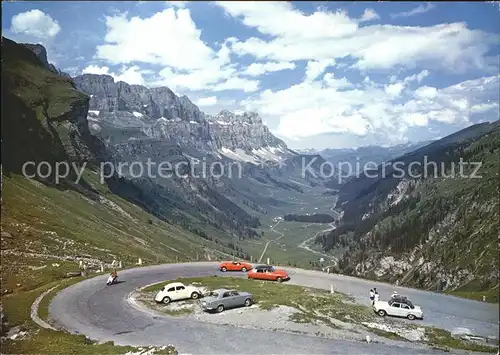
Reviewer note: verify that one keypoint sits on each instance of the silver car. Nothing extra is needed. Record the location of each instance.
(221, 299)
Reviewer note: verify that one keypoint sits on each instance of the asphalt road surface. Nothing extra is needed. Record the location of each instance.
(102, 313)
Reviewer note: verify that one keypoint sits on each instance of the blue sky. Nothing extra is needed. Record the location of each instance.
(321, 74)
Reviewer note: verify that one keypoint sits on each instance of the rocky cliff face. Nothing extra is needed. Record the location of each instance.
(242, 131)
(41, 54)
(46, 121)
(108, 96)
(158, 113)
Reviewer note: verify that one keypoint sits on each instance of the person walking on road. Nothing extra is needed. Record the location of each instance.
(372, 295)
(376, 296)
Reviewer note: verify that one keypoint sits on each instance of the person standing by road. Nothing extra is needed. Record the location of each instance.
(372, 295)
(376, 296)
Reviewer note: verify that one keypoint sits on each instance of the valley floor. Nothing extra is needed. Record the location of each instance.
(292, 243)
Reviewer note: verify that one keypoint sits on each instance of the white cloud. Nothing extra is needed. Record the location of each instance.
(292, 23)
(256, 69)
(237, 83)
(456, 103)
(480, 108)
(210, 79)
(416, 119)
(35, 23)
(331, 82)
(95, 69)
(394, 90)
(207, 101)
(335, 105)
(188, 63)
(426, 92)
(180, 4)
(131, 75)
(369, 15)
(333, 35)
(417, 77)
(131, 40)
(317, 67)
(420, 9)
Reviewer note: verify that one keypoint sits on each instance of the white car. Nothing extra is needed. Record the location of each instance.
(177, 291)
(398, 308)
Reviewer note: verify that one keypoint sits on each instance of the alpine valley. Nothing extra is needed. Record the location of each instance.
(384, 228)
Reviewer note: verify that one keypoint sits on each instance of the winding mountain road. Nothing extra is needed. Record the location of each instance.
(103, 313)
(305, 244)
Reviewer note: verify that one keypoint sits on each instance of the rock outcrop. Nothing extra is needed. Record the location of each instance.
(41, 53)
(158, 113)
(46, 121)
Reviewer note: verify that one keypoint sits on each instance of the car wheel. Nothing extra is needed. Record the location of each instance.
(166, 300)
(195, 295)
(382, 313)
(244, 269)
(223, 269)
(411, 317)
(279, 279)
(248, 302)
(220, 308)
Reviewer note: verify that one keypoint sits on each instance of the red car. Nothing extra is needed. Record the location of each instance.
(235, 266)
(267, 272)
